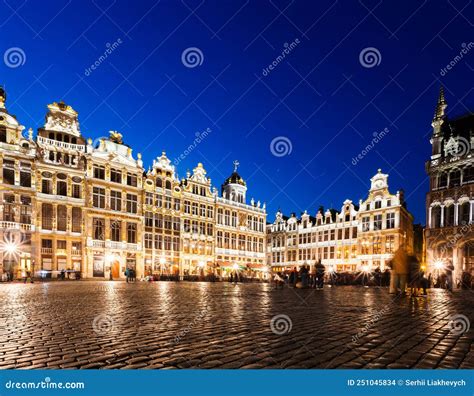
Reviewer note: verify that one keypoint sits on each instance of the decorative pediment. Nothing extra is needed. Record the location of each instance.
(199, 175)
(62, 118)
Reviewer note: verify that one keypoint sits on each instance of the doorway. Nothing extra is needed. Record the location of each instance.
(115, 268)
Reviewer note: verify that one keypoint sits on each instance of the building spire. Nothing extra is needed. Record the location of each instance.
(236, 165)
(440, 106)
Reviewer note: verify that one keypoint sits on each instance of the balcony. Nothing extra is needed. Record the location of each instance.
(132, 246)
(98, 244)
(9, 225)
(47, 250)
(67, 146)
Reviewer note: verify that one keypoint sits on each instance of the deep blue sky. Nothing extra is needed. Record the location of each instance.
(143, 89)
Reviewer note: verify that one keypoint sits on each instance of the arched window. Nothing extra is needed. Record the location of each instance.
(159, 182)
(115, 231)
(449, 215)
(436, 217)
(464, 213)
(168, 185)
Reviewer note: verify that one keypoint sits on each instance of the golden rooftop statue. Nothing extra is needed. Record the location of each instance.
(116, 137)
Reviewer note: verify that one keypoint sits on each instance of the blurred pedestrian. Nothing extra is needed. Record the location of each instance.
(320, 269)
(449, 275)
(127, 274)
(399, 271)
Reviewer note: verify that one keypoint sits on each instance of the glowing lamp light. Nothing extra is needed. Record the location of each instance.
(235, 266)
(11, 248)
(162, 260)
(331, 268)
(266, 269)
(439, 264)
(202, 264)
(365, 268)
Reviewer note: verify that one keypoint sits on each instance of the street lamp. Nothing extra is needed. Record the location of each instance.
(162, 263)
(10, 248)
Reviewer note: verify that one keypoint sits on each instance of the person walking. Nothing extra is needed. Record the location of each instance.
(449, 275)
(399, 271)
(414, 276)
(127, 274)
(320, 269)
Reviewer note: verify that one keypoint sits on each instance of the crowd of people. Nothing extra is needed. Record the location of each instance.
(403, 274)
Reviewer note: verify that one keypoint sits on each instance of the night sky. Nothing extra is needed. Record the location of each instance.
(323, 100)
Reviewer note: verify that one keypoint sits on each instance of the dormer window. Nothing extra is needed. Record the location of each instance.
(378, 204)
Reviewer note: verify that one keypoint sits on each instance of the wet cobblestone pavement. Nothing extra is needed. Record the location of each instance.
(219, 325)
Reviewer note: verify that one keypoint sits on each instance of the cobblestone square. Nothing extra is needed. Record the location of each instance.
(89, 324)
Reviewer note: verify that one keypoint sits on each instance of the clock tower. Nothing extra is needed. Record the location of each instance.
(379, 181)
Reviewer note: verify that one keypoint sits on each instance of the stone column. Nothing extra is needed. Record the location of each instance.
(456, 214)
(442, 216)
(471, 212)
(429, 217)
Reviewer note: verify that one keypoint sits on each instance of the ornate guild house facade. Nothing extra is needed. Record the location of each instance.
(356, 238)
(450, 201)
(86, 209)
